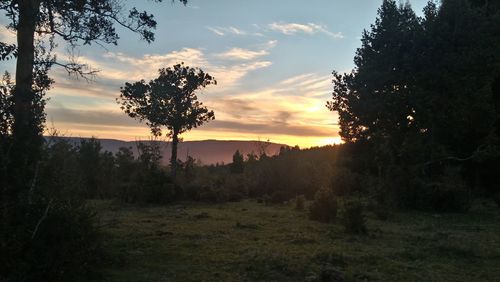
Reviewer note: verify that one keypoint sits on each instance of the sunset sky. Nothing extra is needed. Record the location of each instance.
(272, 60)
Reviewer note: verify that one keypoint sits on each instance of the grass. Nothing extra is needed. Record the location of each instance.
(248, 241)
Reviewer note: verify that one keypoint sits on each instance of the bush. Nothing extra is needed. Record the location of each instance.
(50, 234)
(152, 186)
(278, 197)
(448, 194)
(382, 212)
(234, 196)
(66, 246)
(353, 220)
(496, 198)
(324, 206)
(344, 182)
(192, 192)
(300, 202)
(212, 194)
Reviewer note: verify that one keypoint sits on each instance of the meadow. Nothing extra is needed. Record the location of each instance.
(251, 241)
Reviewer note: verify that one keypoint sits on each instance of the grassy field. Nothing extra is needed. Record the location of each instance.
(248, 241)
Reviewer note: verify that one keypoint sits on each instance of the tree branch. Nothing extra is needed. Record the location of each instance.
(44, 216)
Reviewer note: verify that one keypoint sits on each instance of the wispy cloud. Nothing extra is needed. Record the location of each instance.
(242, 54)
(117, 68)
(222, 31)
(215, 30)
(308, 28)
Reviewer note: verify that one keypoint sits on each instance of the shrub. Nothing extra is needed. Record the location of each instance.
(51, 235)
(266, 199)
(448, 194)
(234, 196)
(344, 181)
(324, 206)
(152, 186)
(278, 197)
(211, 194)
(300, 202)
(353, 220)
(496, 198)
(381, 212)
(192, 192)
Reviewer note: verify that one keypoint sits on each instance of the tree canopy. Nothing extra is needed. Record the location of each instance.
(169, 101)
(422, 92)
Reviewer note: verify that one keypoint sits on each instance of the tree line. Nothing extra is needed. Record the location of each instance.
(423, 101)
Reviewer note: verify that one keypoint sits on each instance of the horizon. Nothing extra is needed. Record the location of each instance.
(273, 70)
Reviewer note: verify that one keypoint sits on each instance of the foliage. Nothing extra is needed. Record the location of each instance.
(293, 173)
(169, 101)
(237, 166)
(278, 197)
(143, 180)
(353, 219)
(300, 202)
(324, 207)
(417, 105)
(89, 155)
(66, 230)
(37, 24)
(496, 197)
(345, 182)
(54, 236)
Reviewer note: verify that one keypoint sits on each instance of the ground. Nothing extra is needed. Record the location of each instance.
(250, 241)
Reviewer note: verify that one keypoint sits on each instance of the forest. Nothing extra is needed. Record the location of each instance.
(411, 194)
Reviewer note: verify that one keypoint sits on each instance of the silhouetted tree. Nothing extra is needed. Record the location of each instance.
(372, 101)
(420, 95)
(89, 155)
(37, 23)
(238, 163)
(169, 101)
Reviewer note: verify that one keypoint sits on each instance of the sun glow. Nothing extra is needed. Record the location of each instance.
(331, 141)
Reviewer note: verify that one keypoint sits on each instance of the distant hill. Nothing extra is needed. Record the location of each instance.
(207, 151)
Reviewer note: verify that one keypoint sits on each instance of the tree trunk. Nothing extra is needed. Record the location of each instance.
(173, 157)
(27, 127)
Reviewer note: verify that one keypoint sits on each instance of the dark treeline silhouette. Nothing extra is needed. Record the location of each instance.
(33, 246)
(420, 115)
(420, 104)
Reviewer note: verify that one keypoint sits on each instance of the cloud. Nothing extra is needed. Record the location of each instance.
(222, 31)
(238, 107)
(215, 30)
(309, 28)
(242, 54)
(269, 128)
(117, 68)
(229, 76)
(7, 36)
(103, 119)
(271, 44)
(90, 117)
(236, 31)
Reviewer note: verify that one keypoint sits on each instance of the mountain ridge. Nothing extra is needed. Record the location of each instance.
(210, 151)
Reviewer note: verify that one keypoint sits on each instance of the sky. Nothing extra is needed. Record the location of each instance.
(272, 60)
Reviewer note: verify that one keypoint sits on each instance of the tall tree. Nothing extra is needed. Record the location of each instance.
(39, 21)
(169, 101)
(371, 101)
(422, 92)
(237, 166)
(37, 24)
